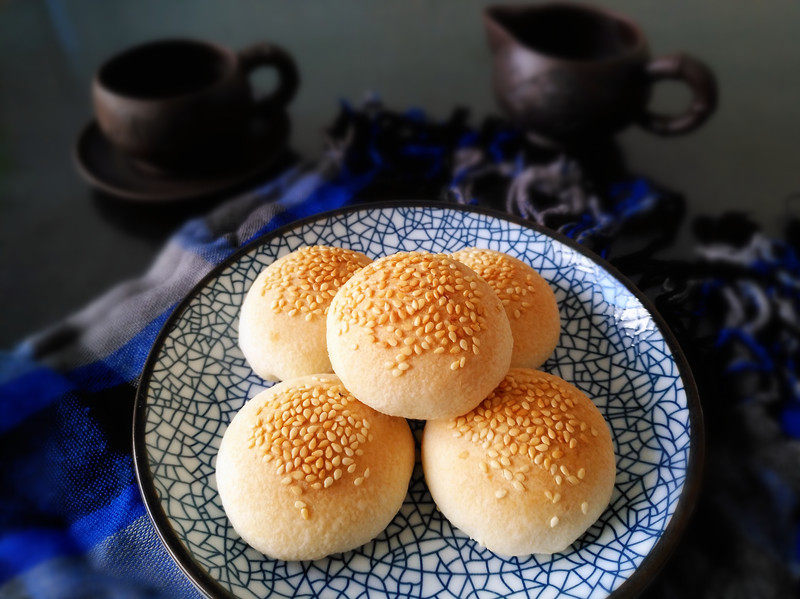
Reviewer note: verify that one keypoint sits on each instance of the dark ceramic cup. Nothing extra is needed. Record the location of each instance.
(168, 103)
(569, 74)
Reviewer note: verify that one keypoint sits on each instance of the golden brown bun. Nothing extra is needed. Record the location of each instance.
(282, 321)
(326, 503)
(529, 302)
(492, 474)
(418, 335)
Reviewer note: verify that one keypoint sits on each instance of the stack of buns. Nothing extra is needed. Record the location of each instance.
(518, 459)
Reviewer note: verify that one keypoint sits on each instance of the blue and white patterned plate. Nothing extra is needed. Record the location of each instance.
(613, 346)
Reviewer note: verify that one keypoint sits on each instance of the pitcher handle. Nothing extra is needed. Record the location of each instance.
(700, 80)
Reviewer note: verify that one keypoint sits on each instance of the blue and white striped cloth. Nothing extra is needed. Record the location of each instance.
(72, 522)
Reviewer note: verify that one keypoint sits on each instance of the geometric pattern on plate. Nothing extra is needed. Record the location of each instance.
(610, 348)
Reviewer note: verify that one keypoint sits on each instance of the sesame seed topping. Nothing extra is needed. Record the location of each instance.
(500, 493)
(517, 426)
(416, 301)
(509, 278)
(585, 507)
(306, 280)
(553, 521)
(307, 432)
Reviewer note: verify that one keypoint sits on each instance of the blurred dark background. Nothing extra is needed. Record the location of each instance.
(61, 245)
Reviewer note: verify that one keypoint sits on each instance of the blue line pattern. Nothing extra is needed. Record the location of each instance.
(610, 348)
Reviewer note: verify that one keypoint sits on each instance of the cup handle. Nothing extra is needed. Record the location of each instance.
(269, 55)
(700, 80)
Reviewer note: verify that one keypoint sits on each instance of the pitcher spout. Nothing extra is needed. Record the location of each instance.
(498, 20)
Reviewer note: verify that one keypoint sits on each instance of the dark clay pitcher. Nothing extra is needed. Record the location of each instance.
(569, 74)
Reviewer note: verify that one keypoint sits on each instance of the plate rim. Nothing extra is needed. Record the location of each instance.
(655, 559)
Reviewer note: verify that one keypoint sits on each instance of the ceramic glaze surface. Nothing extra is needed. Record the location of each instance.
(610, 348)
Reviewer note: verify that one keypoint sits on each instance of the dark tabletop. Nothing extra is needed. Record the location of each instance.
(61, 244)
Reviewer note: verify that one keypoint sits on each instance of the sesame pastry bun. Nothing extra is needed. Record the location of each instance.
(282, 321)
(529, 302)
(527, 471)
(418, 335)
(305, 470)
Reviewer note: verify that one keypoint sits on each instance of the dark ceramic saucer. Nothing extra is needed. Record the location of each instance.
(110, 170)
